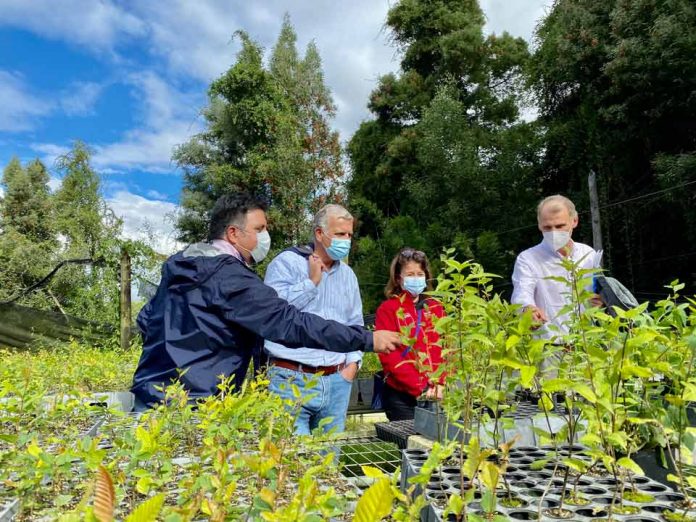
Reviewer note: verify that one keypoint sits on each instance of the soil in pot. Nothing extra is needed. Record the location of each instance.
(576, 500)
(558, 513)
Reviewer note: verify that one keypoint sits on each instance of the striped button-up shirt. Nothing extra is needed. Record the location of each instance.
(337, 297)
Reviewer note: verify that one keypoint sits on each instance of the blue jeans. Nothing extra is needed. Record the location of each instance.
(328, 397)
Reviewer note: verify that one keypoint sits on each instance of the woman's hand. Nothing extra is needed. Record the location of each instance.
(434, 392)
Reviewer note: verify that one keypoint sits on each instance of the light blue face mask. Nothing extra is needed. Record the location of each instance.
(339, 248)
(414, 285)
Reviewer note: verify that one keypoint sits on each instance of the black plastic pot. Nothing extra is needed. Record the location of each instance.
(650, 461)
(366, 389)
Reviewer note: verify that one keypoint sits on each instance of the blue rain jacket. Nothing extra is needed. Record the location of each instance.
(208, 316)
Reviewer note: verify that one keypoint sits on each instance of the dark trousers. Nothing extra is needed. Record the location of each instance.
(397, 405)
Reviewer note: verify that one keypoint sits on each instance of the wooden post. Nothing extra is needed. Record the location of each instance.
(594, 209)
(125, 299)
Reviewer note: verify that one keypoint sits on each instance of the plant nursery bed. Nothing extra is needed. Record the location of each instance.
(537, 493)
(372, 452)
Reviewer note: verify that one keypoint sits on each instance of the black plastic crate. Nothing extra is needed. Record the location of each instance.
(396, 432)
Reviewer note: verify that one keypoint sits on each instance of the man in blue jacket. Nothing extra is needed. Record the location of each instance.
(211, 312)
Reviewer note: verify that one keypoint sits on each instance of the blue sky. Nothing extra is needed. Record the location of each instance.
(129, 78)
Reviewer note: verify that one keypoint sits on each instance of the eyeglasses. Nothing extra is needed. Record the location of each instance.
(410, 253)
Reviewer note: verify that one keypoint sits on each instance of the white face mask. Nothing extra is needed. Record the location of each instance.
(556, 239)
(263, 246)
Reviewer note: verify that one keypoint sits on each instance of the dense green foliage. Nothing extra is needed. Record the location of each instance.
(39, 229)
(447, 160)
(267, 133)
(615, 82)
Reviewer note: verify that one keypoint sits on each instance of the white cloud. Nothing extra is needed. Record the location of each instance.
(19, 109)
(50, 152)
(146, 219)
(22, 109)
(517, 17)
(154, 194)
(79, 99)
(169, 119)
(54, 183)
(193, 40)
(351, 36)
(353, 46)
(95, 25)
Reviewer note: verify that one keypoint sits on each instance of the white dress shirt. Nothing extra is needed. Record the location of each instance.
(532, 287)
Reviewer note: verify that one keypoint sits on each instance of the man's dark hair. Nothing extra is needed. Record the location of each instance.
(231, 209)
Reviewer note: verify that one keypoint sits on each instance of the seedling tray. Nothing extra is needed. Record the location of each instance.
(396, 432)
(529, 485)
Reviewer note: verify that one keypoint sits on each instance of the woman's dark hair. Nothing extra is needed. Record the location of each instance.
(231, 209)
(406, 255)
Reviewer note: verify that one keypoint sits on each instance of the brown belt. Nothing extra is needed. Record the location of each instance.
(292, 365)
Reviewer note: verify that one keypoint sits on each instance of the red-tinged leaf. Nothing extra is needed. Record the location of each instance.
(104, 496)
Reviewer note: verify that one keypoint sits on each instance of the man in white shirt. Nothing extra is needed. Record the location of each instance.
(533, 289)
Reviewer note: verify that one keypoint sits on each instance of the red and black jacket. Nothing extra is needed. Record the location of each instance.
(400, 371)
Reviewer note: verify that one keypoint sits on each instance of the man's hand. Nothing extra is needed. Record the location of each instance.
(385, 341)
(596, 301)
(316, 268)
(350, 371)
(538, 315)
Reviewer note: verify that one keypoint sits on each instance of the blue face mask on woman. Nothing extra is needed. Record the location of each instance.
(339, 248)
(414, 285)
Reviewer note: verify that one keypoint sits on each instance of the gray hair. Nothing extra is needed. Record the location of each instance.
(556, 202)
(321, 219)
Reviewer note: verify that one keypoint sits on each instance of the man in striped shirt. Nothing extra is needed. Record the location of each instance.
(313, 278)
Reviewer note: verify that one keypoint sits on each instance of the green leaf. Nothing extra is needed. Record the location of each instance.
(143, 485)
(538, 464)
(673, 478)
(618, 439)
(689, 392)
(505, 361)
(590, 439)
(631, 370)
(148, 511)
(630, 465)
(585, 391)
(376, 502)
(545, 403)
(488, 501)
(556, 385)
(527, 374)
(576, 464)
(455, 505)
(372, 472)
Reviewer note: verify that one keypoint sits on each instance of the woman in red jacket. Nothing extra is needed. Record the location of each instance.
(406, 377)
